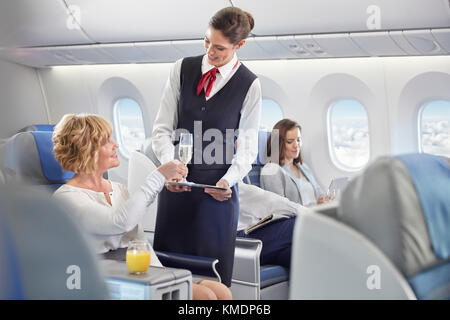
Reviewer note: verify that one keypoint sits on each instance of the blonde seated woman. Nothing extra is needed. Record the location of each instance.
(83, 144)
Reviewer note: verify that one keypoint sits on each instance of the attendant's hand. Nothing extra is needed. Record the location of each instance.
(172, 188)
(220, 195)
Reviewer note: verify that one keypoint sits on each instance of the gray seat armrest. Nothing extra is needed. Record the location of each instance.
(246, 260)
(2, 178)
(202, 266)
(331, 260)
(327, 209)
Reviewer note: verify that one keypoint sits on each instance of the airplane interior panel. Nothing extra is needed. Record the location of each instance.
(307, 144)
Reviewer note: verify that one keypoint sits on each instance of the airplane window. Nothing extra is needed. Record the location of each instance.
(270, 114)
(434, 128)
(129, 125)
(348, 134)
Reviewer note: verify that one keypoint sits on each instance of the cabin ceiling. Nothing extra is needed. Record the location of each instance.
(64, 32)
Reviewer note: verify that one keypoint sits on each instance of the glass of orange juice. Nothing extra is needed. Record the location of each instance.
(138, 256)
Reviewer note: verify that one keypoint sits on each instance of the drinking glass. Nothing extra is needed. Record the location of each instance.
(331, 194)
(138, 256)
(185, 149)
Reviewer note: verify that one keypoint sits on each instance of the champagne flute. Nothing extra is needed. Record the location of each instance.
(185, 149)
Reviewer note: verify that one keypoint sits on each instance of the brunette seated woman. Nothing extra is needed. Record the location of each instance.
(286, 173)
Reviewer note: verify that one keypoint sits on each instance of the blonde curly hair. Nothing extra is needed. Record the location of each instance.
(77, 139)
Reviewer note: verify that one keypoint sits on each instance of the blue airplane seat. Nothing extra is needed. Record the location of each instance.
(272, 281)
(140, 165)
(431, 178)
(43, 252)
(253, 176)
(49, 128)
(11, 284)
(272, 274)
(38, 127)
(28, 157)
(390, 238)
(250, 280)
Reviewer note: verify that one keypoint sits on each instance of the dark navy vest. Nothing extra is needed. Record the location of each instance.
(221, 113)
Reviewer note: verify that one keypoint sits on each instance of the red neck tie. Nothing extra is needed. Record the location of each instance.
(203, 80)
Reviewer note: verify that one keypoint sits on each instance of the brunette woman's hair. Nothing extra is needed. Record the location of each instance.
(282, 127)
(234, 23)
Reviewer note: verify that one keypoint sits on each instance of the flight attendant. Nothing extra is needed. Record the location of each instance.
(211, 93)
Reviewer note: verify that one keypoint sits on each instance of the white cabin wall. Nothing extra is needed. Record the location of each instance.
(22, 102)
(312, 85)
(94, 89)
(303, 88)
(392, 89)
(410, 83)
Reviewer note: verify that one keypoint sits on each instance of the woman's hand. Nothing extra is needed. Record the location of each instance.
(321, 199)
(326, 197)
(174, 170)
(220, 195)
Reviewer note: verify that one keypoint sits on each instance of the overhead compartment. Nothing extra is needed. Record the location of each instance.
(84, 54)
(399, 38)
(63, 55)
(125, 52)
(307, 42)
(424, 42)
(32, 57)
(377, 43)
(274, 48)
(339, 45)
(142, 20)
(160, 51)
(284, 17)
(442, 36)
(252, 51)
(26, 23)
(294, 47)
(190, 48)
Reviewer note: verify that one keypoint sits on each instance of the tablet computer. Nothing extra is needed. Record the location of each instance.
(336, 187)
(194, 185)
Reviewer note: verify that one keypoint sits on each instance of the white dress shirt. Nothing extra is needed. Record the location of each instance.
(307, 192)
(256, 204)
(112, 226)
(167, 119)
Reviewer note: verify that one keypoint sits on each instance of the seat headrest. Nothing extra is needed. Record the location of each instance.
(253, 176)
(147, 149)
(263, 136)
(38, 127)
(431, 178)
(50, 167)
(402, 205)
(28, 157)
